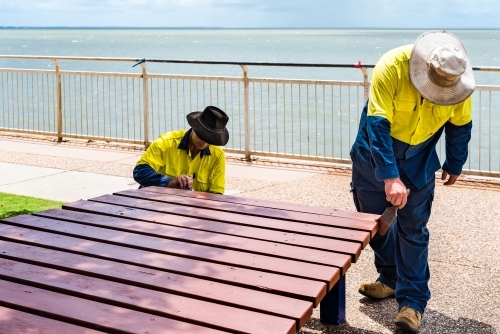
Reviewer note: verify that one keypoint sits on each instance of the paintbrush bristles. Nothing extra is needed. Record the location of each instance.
(387, 219)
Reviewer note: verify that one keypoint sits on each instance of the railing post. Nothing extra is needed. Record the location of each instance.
(145, 93)
(247, 113)
(58, 100)
(366, 84)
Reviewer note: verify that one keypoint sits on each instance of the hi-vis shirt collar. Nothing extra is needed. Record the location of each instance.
(184, 145)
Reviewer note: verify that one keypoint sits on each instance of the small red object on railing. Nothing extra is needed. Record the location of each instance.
(358, 64)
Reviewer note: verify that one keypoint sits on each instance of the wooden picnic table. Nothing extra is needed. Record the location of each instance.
(158, 260)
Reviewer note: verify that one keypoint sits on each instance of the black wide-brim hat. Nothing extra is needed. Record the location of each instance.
(210, 125)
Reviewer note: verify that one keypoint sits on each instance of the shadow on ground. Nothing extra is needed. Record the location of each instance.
(383, 313)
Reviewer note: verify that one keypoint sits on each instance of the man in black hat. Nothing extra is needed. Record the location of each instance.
(418, 92)
(188, 159)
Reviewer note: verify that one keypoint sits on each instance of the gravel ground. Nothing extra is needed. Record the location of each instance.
(463, 255)
(464, 248)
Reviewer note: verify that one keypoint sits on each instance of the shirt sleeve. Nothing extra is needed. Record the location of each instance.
(218, 183)
(380, 115)
(155, 155)
(462, 113)
(146, 172)
(457, 149)
(147, 177)
(379, 133)
(457, 136)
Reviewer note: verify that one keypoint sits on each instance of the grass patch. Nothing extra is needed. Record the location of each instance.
(14, 205)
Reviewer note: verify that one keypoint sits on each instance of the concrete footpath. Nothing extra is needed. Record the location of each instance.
(75, 170)
(464, 250)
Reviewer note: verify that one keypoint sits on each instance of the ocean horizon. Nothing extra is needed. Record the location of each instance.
(311, 46)
(239, 28)
(273, 45)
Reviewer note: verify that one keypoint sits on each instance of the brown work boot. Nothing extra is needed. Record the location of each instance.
(408, 319)
(377, 290)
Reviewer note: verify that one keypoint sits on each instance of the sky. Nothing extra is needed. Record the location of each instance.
(408, 14)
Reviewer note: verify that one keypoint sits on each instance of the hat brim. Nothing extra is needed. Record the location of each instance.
(419, 76)
(210, 137)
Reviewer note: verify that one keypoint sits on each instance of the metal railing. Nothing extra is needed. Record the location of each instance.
(287, 118)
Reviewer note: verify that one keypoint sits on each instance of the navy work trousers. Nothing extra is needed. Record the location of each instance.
(401, 254)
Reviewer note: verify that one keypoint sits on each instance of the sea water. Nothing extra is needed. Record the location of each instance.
(323, 46)
(311, 46)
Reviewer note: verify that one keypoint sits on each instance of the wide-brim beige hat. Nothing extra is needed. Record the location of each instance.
(440, 69)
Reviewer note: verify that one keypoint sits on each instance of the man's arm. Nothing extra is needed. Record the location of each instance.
(153, 160)
(219, 176)
(457, 136)
(146, 176)
(385, 168)
(457, 140)
(379, 117)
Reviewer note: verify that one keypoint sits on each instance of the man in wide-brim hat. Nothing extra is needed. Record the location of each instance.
(417, 92)
(188, 159)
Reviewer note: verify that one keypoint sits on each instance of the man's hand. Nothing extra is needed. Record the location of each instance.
(181, 182)
(451, 179)
(395, 192)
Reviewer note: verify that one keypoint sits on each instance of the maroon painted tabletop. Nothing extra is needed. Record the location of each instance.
(160, 260)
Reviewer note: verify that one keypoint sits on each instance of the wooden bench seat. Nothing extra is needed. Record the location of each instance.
(306, 228)
(85, 312)
(123, 218)
(159, 303)
(255, 202)
(285, 285)
(157, 280)
(180, 249)
(193, 262)
(249, 210)
(14, 321)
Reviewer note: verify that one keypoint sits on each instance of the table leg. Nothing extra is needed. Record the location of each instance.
(332, 307)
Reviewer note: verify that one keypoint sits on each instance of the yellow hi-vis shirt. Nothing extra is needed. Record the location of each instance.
(169, 155)
(393, 96)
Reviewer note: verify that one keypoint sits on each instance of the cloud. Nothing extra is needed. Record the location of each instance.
(254, 13)
(92, 4)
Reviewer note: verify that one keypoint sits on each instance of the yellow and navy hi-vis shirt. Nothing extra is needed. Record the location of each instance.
(169, 156)
(399, 129)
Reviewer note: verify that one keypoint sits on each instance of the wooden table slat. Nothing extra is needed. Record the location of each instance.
(175, 227)
(138, 207)
(285, 285)
(303, 217)
(90, 313)
(211, 239)
(183, 308)
(255, 300)
(18, 322)
(262, 203)
(283, 262)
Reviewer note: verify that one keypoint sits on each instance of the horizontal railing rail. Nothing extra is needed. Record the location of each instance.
(305, 119)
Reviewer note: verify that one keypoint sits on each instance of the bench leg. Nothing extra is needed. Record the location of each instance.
(332, 307)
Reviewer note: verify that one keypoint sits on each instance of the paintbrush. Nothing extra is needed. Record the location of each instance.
(388, 218)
